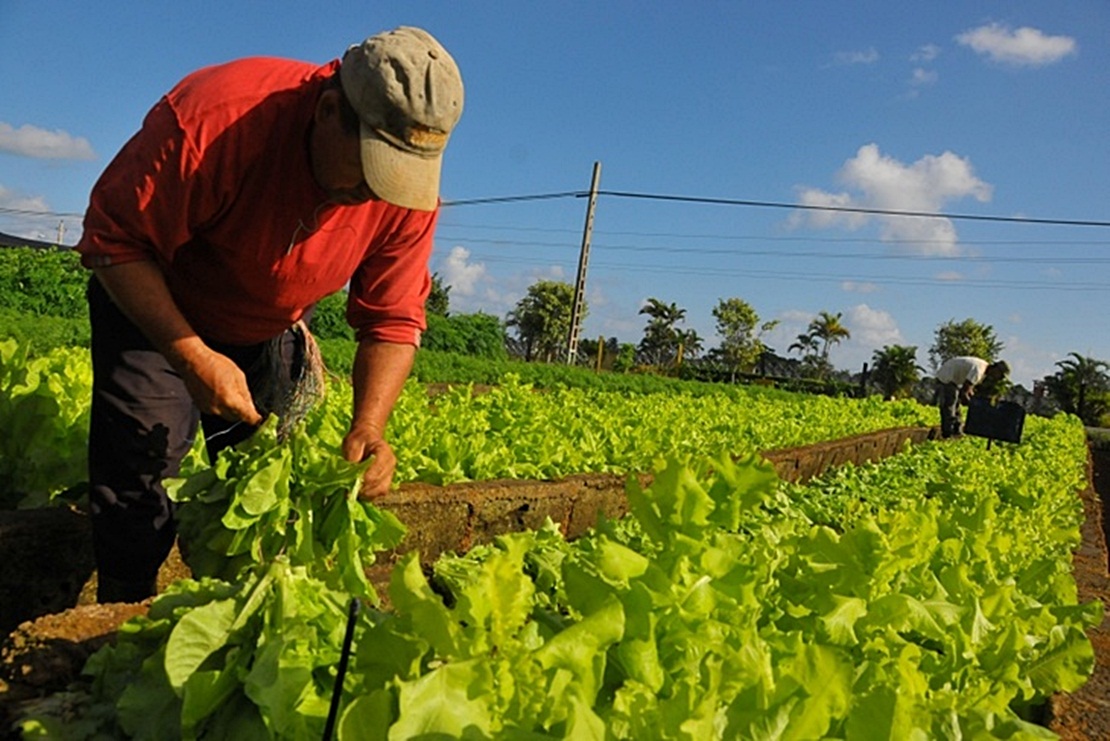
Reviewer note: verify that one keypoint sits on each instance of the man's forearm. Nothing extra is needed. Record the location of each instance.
(380, 371)
(139, 290)
(215, 383)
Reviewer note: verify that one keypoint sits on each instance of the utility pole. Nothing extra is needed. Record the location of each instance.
(583, 259)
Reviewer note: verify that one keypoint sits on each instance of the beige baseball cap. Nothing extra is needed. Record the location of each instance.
(408, 93)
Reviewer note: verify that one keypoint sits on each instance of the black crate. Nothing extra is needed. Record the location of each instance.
(1002, 421)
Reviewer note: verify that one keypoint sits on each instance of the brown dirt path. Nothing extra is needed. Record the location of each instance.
(1085, 714)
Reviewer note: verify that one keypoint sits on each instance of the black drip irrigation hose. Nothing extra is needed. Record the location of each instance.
(341, 671)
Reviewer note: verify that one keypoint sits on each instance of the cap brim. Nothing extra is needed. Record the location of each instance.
(399, 177)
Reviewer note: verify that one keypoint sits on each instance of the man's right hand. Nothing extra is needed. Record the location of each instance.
(218, 386)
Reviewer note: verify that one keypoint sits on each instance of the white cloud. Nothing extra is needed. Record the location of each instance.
(30, 216)
(791, 323)
(31, 141)
(475, 288)
(1024, 47)
(11, 199)
(923, 77)
(883, 183)
(872, 328)
(852, 286)
(952, 276)
(462, 275)
(926, 53)
(826, 219)
(1028, 363)
(868, 56)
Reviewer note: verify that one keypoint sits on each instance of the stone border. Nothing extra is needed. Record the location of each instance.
(457, 516)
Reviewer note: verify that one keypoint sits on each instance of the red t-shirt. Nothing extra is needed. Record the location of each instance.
(217, 188)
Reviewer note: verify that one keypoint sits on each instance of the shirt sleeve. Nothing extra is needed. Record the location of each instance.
(389, 288)
(150, 198)
(975, 374)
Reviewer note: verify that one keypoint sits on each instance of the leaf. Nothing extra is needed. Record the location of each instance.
(884, 714)
(581, 648)
(200, 633)
(826, 676)
(413, 598)
(450, 701)
(840, 622)
(260, 492)
(1065, 665)
(367, 718)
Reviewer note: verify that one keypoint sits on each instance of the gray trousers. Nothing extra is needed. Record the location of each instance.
(948, 400)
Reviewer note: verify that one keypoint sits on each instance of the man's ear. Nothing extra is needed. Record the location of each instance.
(327, 106)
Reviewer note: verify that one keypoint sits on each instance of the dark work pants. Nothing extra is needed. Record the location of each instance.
(948, 399)
(143, 422)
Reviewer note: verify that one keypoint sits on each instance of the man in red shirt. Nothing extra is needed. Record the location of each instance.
(254, 189)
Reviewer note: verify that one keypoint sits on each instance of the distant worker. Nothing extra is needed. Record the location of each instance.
(254, 189)
(957, 379)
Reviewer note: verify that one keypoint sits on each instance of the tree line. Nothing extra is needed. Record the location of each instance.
(540, 322)
(42, 303)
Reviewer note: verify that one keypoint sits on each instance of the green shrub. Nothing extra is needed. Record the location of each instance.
(43, 282)
(329, 318)
(44, 333)
(480, 335)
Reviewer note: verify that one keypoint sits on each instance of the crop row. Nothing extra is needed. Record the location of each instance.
(929, 596)
(511, 431)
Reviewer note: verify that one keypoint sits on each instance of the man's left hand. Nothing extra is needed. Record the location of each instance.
(366, 442)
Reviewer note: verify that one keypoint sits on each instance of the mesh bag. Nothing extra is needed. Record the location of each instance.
(290, 389)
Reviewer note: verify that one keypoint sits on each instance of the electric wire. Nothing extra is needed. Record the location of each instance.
(600, 265)
(853, 209)
(711, 201)
(963, 257)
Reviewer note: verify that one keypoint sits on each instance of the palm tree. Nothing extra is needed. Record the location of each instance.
(661, 338)
(895, 370)
(809, 348)
(823, 332)
(828, 329)
(1081, 387)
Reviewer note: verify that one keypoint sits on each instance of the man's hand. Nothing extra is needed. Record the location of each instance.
(216, 384)
(379, 374)
(365, 441)
(219, 387)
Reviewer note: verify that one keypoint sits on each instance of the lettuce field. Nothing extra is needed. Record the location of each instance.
(926, 596)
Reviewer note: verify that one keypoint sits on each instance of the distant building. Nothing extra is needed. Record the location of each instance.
(7, 240)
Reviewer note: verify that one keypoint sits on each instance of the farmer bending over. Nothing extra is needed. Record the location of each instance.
(957, 379)
(254, 189)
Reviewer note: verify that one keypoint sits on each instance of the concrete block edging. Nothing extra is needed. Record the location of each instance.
(455, 517)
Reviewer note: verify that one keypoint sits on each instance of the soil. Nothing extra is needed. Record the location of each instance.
(43, 656)
(1085, 714)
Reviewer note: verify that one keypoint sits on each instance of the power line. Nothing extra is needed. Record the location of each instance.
(514, 199)
(31, 212)
(796, 253)
(781, 238)
(851, 209)
(705, 200)
(792, 206)
(818, 277)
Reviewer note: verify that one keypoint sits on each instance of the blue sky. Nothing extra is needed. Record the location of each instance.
(962, 108)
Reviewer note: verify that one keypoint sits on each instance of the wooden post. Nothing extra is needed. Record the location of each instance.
(583, 259)
(600, 352)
